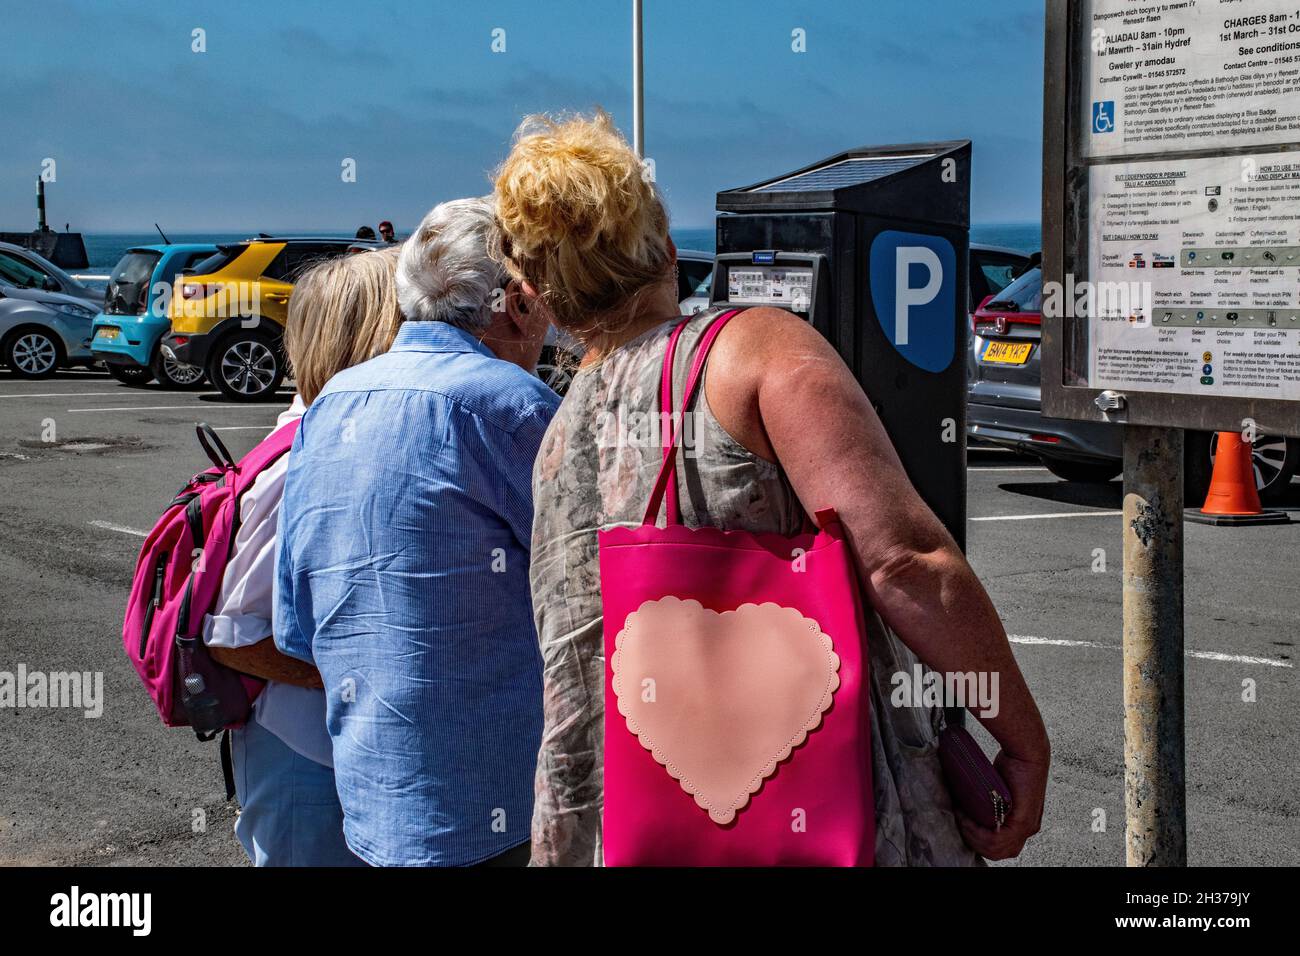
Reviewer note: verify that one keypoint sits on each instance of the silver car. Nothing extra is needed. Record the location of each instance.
(24, 269)
(1004, 407)
(45, 315)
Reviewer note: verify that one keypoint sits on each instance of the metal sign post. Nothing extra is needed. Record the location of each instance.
(638, 82)
(1171, 296)
(1154, 774)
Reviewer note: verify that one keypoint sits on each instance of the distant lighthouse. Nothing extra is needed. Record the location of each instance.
(65, 249)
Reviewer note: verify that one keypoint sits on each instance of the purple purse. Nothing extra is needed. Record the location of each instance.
(977, 788)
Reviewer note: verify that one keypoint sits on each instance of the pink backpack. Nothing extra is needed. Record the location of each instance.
(177, 579)
(737, 712)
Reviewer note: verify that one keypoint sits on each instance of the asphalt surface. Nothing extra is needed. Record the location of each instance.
(122, 789)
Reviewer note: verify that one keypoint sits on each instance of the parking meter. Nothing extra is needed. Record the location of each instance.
(871, 246)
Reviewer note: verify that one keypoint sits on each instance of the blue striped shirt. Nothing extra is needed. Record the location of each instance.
(403, 575)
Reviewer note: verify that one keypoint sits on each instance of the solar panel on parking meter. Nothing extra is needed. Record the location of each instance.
(870, 246)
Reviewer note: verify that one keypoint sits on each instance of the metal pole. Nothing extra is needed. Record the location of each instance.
(638, 83)
(1154, 769)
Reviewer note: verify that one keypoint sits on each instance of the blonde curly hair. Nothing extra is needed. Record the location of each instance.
(580, 220)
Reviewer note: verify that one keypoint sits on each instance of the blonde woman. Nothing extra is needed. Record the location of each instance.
(781, 425)
(342, 313)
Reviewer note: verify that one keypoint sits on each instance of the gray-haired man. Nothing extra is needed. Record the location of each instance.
(403, 564)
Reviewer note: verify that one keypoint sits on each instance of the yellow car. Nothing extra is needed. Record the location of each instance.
(229, 321)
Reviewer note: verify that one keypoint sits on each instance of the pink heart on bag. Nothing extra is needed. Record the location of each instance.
(721, 699)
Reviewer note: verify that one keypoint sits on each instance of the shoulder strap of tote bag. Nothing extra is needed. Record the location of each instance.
(672, 425)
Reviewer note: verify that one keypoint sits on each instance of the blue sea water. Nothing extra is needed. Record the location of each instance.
(104, 249)
(1022, 236)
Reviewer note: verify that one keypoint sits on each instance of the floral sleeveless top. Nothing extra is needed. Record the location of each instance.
(596, 468)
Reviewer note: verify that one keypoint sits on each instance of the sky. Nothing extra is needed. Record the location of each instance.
(252, 134)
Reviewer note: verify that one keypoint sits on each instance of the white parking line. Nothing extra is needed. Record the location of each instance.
(1200, 655)
(1020, 468)
(162, 408)
(120, 529)
(1054, 514)
(58, 394)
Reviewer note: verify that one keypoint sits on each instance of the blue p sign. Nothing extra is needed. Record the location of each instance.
(914, 290)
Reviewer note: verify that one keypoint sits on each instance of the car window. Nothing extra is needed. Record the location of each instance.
(991, 272)
(998, 274)
(134, 267)
(693, 278)
(194, 258)
(1023, 295)
(20, 273)
(223, 257)
(296, 258)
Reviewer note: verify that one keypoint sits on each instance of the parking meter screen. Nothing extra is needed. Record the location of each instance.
(770, 285)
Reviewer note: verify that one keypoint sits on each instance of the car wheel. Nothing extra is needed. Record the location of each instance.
(173, 374)
(555, 368)
(247, 366)
(33, 352)
(1274, 458)
(131, 374)
(1086, 471)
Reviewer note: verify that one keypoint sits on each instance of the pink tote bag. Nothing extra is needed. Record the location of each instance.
(737, 728)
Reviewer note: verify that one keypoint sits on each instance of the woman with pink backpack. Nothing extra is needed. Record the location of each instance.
(717, 687)
(342, 313)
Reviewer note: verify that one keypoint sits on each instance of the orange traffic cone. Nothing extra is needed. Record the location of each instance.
(1233, 497)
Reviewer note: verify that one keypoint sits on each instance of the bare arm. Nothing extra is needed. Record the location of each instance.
(263, 660)
(781, 390)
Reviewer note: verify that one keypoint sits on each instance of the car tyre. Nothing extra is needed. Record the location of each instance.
(32, 352)
(175, 375)
(1275, 459)
(247, 366)
(133, 375)
(1089, 472)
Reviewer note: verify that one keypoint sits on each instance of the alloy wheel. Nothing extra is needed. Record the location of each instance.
(1267, 458)
(178, 373)
(35, 353)
(248, 367)
(555, 375)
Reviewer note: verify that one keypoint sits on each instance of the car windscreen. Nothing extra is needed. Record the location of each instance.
(127, 291)
(135, 267)
(1023, 295)
(18, 272)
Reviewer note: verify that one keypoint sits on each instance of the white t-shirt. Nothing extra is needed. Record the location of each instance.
(243, 613)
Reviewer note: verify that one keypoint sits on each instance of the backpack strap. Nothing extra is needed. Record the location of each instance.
(668, 469)
(216, 451)
(227, 764)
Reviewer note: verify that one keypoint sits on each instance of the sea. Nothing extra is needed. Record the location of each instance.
(104, 249)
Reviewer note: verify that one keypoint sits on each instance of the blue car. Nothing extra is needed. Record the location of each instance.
(126, 333)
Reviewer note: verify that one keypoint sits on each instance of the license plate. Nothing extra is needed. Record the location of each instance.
(106, 334)
(1008, 353)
